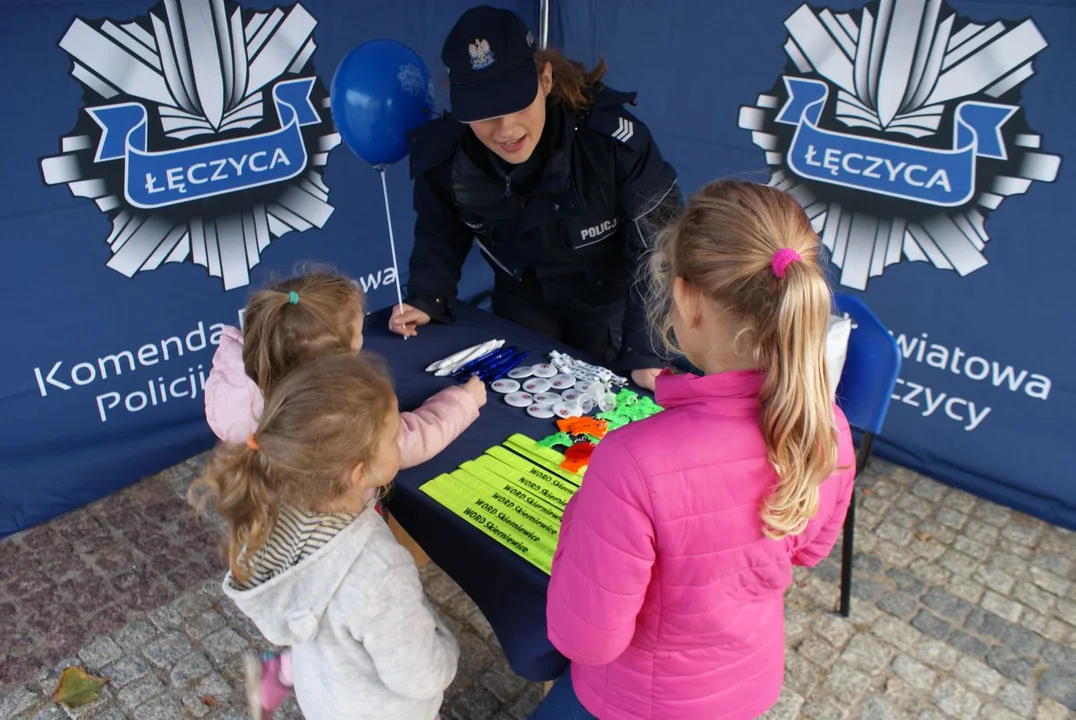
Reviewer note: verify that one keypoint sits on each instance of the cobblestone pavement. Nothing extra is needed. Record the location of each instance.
(963, 609)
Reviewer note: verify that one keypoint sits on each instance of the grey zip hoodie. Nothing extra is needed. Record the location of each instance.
(366, 643)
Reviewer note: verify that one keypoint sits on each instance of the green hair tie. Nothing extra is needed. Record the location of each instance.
(293, 297)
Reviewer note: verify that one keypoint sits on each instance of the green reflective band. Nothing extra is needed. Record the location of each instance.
(543, 457)
(529, 479)
(542, 507)
(546, 528)
(492, 517)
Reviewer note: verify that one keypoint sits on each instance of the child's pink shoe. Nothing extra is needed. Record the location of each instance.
(266, 690)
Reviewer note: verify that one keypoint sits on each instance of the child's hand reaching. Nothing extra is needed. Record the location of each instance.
(477, 389)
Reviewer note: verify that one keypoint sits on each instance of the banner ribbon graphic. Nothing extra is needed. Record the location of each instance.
(945, 178)
(159, 179)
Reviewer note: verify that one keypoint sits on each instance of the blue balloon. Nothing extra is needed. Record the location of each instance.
(381, 91)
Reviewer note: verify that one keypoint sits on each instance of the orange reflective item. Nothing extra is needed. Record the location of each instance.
(583, 426)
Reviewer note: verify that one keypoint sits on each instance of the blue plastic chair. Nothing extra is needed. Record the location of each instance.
(863, 393)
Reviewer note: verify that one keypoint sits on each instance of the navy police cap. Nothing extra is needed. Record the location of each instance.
(489, 54)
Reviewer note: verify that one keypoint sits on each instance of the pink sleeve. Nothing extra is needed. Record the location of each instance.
(604, 558)
(233, 402)
(440, 420)
(816, 542)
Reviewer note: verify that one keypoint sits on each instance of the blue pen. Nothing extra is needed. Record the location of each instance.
(465, 369)
(486, 373)
(511, 365)
(474, 366)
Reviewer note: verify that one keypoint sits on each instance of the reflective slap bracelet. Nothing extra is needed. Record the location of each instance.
(482, 515)
(524, 451)
(543, 505)
(529, 479)
(511, 504)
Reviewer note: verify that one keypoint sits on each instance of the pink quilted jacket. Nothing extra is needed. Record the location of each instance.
(665, 594)
(233, 404)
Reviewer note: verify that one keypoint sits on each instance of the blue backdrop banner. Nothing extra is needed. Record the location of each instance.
(929, 142)
(164, 159)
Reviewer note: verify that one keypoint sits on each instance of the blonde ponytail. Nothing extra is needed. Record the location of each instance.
(797, 414)
(724, 245)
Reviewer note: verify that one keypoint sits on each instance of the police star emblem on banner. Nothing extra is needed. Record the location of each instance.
(899, 130)
(203, 136)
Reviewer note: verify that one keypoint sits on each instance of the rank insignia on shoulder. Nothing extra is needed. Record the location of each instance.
(618, 127)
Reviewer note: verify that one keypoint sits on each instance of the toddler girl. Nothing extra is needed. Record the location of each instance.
(286, 326)
(667, 587)
(311, 563)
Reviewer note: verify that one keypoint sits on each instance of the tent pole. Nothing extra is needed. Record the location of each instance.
(543, 24)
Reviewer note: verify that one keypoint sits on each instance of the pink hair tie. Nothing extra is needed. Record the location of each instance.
(782, 259)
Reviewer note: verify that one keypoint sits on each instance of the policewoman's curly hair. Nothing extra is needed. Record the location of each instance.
(320, 422)
(296, 320)
(724, 245)
(573, 84)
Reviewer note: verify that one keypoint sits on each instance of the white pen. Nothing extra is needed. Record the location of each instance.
(483, 349)
(454, 357)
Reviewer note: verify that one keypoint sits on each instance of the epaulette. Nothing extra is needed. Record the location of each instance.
(433, 143)
(608, 117)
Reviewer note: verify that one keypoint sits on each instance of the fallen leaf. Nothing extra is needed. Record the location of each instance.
(1036, 549)
(925, 536)
(802, 583)
(209, 701)
(76, 688)
(867, 491)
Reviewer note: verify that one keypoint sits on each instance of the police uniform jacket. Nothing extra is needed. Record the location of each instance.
(579, 215)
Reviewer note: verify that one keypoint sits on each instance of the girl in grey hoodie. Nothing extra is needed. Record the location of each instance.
(312, 564)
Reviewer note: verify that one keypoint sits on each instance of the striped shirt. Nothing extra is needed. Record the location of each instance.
(297, 535)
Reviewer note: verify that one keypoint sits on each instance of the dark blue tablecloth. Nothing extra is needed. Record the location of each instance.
(508, 590)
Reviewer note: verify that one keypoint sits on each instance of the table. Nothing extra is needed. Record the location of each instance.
(509, 591)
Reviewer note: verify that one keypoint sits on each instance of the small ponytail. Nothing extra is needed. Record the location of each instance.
(320, 422)
(237, 485)
(296, 320)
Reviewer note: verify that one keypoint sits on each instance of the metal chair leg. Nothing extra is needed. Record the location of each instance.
(846, 557)
(863, 456)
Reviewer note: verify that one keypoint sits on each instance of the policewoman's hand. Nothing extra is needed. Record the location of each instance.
(406, 320)
(645, 378)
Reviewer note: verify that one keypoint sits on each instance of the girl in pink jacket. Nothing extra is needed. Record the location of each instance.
(667, 587)
(285, 327)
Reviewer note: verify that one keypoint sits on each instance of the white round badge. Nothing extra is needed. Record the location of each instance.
(536, 385)
(505, 386)
(521, 372)
(545, 370)
(546, 398)
(518, 399)
(585, 385)
(562, 382)
(542, 412)
(571, 395)
(567, 410)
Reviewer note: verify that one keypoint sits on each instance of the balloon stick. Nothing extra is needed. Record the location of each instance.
(392, 240)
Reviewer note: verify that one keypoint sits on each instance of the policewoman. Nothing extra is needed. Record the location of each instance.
(542, 167)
